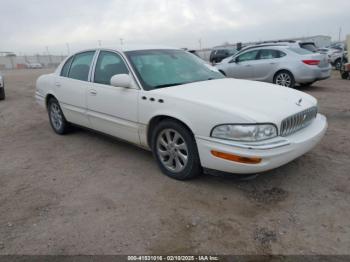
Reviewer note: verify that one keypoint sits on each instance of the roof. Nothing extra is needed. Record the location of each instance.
(127, 48)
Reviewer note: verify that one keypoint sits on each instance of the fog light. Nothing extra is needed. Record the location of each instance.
(235, 158)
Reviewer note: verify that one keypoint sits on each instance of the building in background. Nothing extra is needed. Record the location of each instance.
(9, 60)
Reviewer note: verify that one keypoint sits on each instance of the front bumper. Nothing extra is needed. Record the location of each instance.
(274, 153)
(40, 99)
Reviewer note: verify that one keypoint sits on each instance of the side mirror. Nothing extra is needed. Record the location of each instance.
(121, 80)
(235, 60)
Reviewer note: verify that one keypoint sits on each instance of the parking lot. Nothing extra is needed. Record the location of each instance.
(86, 193)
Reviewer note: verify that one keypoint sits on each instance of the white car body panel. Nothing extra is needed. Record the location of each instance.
(114, 111)
(124, 113)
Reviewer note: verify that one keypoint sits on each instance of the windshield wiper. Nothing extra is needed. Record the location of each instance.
(169, 85)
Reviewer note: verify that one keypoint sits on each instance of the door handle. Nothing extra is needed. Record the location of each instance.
(58, 84)
(93, 92)
(248, 65)
(272, 63)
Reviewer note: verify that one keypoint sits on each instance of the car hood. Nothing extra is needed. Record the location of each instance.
(255, 101)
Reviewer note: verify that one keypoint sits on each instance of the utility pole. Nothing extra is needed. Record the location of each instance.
(99, 43)
(68, 48)
(121, 42)
(340, 31)
(200, 43)
(48, 53)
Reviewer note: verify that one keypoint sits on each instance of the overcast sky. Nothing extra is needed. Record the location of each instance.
(28, 26)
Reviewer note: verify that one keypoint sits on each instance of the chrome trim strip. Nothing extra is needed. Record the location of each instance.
(255, 146)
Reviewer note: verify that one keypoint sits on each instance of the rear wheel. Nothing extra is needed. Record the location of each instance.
(337, 64)
(175, 150)
(345, 75)
(57, 120)
(284, 78)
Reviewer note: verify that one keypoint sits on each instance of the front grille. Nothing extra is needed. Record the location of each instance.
(298, 121)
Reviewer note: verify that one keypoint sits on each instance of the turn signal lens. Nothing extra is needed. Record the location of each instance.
(311, 62)
(235, 158)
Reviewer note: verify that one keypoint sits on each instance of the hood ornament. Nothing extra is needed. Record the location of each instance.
(299, 102)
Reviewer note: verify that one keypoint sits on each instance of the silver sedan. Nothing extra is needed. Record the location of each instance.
(282, 65)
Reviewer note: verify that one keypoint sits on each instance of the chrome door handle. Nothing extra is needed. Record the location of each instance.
(248, 65)
(93, 92)
(58, 84)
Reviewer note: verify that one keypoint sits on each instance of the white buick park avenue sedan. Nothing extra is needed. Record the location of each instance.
(188, 114)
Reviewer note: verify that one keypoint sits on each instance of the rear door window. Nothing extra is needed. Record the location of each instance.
(270, 54)
(80, 67)
(249, 56)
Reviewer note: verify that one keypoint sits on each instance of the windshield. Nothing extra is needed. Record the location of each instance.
(165, 68)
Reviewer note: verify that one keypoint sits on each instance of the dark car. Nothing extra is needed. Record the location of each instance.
(217, 55)
(344, 69)
(2, 88)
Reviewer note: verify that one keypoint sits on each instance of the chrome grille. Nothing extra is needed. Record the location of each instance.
(298, 121)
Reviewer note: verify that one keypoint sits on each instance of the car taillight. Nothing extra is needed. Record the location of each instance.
(311, 62)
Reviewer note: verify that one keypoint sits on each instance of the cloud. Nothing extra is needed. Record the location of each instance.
(31, 25)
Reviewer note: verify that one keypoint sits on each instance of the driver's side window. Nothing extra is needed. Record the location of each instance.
(249, 56)
(108, 64)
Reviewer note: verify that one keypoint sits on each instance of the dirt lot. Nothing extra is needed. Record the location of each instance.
(89, 194)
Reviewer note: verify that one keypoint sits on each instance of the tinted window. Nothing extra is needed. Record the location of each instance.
(108, 65)
(81, 66)
(65, 68)
(300, 51)
(270, 54)
(309, 46)
(248, 56)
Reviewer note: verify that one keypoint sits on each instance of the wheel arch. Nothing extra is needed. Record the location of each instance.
(281, 70)
(48, 97)
(154, 121)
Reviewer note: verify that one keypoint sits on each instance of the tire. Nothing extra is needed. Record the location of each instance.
(58, 122)
(306, 84)
(345, 75)
(337, 64)
(284, 78)
(2, 93)
(175, 150)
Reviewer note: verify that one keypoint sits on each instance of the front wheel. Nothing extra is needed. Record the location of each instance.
(284, 78)
(57, 120)
(175, 150)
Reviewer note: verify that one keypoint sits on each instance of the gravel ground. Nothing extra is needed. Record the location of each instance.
(85, 193)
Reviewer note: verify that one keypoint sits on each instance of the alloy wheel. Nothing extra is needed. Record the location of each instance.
(56, 116)
(284, 79)
(172, 150)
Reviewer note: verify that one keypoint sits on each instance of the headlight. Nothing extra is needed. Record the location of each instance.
(246, 133)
